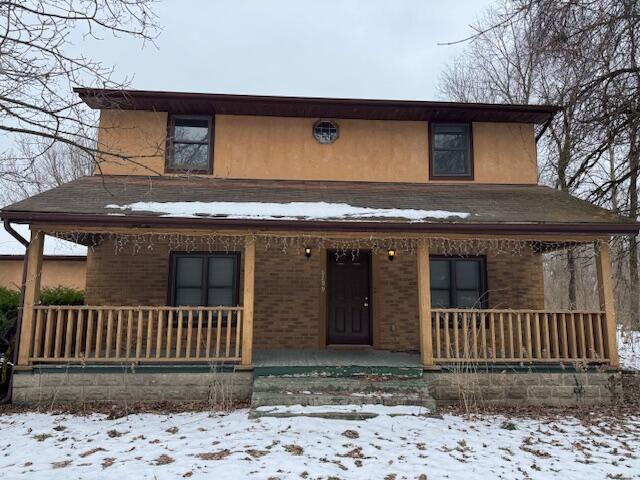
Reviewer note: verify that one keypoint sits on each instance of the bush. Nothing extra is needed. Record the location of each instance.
(9, 300)
(61, 296)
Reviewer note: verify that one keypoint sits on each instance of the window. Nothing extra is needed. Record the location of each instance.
(189, 145)
(451, 151)
(325, 131)
(458, 282)
(205, 279)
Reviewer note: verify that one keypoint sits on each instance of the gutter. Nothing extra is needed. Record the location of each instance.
(138, 221)
(25, 242)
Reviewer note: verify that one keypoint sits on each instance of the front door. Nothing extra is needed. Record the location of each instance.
(348, 297)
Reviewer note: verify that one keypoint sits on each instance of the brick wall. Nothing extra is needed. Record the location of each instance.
(396, 302)
(289, 298)
(127, 278)
(515, 281)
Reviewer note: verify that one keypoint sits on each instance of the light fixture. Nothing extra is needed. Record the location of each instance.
(391, 253)
(307, 252)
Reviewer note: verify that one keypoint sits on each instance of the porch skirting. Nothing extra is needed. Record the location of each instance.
(69, 384)
(60, 385)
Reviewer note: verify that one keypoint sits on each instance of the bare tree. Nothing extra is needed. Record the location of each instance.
(38, 69)
(581, 55)
(40, 165)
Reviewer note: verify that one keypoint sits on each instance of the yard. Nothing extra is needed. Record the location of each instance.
(400, 443)
(204, 445)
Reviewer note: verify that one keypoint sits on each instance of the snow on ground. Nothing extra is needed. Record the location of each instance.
(284, 211)
(202, 445)
(629, 349)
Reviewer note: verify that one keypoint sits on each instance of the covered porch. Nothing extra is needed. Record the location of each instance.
(188, 270)
(277, 288)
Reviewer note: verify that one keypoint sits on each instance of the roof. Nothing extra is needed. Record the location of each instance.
(53, 247)
(316, 205)
(215, 103)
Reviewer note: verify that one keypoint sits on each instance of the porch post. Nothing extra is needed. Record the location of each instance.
(605, 293)
(247, 300)
(424, 302)
(31, 294)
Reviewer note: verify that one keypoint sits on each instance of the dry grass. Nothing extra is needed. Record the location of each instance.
(117, 410)
(61, 464)
(294, 449)
(91, 452)
(219, 455)
(164, 459)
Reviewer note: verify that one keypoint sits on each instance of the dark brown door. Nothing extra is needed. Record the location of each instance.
(348, 297)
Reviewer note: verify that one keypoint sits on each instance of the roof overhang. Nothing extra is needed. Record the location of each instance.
(225, 104)
(151, 222)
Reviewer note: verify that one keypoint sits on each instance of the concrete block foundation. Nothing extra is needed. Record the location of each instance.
(114, 384)
(51, 385)
(525, 388)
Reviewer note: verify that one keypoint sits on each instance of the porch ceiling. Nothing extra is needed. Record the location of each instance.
(306, 205)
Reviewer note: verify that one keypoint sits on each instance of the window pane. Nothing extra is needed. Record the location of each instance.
(189, 272)
(455, 141)
(468, 299)
(450, 163)
(221, 296)
(221, 271)
(191, 130)
(440, 299)
(439, 273)
(190, 156)
(188, 296)
(468, 274)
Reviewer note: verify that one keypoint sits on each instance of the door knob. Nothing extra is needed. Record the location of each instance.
(366, 302)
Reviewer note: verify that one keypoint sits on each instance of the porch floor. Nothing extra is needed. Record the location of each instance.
(335, 358)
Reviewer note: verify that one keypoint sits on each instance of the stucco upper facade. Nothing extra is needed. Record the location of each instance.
(134, 142)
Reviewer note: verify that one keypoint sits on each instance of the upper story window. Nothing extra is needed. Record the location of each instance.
(189, 144)
(325, 131)
(451, 156)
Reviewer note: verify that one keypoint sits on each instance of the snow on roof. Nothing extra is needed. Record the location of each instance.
(52, 245)
(284, 211)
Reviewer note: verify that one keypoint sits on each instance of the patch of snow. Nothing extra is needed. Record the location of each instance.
(377, 409)
(629, 349)
(284, 211)
(202, 445)
(52, 245)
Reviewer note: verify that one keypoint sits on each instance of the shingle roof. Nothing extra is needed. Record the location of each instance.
(501, 207)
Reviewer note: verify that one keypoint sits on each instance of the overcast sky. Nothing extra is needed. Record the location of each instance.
(342, 48)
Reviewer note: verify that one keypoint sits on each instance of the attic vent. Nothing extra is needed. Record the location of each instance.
(325, 131)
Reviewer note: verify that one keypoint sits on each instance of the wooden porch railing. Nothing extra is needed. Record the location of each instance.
(113, 334)
(515, 336)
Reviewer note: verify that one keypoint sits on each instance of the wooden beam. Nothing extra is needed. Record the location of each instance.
(560, 237)
(31, 295)
(605, 293)
(424, 301)
(247, 301)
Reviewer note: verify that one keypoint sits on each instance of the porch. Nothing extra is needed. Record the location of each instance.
(106, 332)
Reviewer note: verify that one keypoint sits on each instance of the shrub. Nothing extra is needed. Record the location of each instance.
(61, 296)
(9, 300)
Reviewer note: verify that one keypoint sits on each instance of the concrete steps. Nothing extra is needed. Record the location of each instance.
(317, 391)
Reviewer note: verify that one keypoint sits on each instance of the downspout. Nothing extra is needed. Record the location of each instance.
(25, 242)
(544, 129)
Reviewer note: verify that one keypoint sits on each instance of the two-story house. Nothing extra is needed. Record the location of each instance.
(259, 236)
